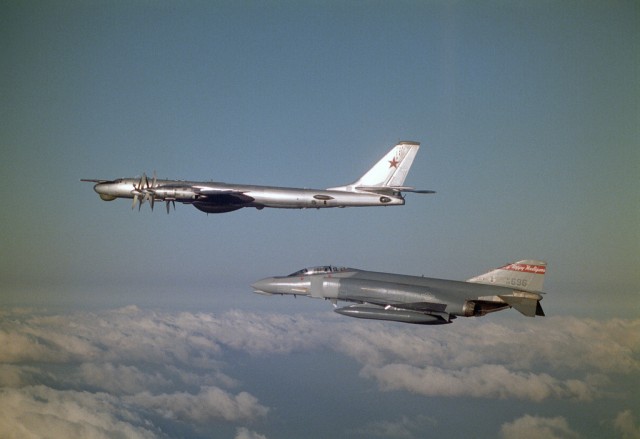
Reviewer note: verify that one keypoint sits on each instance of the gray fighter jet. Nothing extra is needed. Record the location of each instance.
(382, 185)
(414, 299)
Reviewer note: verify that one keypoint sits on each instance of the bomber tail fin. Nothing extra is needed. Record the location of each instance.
(389, 173)
(526, 278)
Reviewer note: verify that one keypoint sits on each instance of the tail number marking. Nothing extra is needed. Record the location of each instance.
(516, 282)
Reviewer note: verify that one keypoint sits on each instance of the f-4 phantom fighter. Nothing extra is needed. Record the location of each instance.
(382, 185)
(413, 299)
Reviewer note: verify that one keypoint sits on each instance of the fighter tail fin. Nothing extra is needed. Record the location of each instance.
(389, 173)
(525, 278)
(525, 275)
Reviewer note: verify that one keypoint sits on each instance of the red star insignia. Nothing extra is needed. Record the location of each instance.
(393, 163)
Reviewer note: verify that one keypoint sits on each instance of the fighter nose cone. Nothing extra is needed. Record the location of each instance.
(264, 286)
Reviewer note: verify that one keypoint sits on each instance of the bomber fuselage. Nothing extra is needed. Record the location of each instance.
(203, 194)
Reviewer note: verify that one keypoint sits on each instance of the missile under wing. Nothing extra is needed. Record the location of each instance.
(382, 185)
(416, 299)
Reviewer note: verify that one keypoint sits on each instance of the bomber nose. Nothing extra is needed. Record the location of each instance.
(105, 191)
(104, 188)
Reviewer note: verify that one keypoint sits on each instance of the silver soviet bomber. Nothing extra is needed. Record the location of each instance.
(382, 185)
(414, 299)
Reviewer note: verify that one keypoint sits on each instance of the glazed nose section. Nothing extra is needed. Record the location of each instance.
(267, 286)
(99, 188)
(106, 191)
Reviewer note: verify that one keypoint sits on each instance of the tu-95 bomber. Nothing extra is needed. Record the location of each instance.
(382, 185)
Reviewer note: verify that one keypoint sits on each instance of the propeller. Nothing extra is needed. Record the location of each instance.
(144, 190)
(149, 193)
(138, 195)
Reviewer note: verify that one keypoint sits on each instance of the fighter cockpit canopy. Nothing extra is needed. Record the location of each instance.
(317, 270)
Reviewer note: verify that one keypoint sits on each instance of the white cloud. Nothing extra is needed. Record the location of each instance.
(485, 381)
(119, 379)
(564, 343)
(626, 425)
(259, 334)
(209, 405)
(130, 358)
(14, 376)
(39, 411)
(176, 366)
(244, 433)
(403, 428)
(535, 359)
(535, 427)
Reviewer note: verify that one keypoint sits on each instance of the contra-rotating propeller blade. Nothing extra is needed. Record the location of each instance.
(150, 191)
(141, 192)
(145, 189)
(172, 202)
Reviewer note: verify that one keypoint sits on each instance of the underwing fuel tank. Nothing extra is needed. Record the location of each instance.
(392, 314)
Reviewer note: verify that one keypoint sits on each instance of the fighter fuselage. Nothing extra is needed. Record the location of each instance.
(388, 296)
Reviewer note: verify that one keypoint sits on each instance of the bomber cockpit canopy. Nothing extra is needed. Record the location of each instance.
(317, 270)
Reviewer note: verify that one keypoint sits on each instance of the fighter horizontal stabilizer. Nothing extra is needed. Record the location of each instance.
(526, 306)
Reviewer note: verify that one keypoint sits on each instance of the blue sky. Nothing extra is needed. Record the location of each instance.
(528, 118)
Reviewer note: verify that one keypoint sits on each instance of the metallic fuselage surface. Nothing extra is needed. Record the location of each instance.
(256, 196)
(382, 185)
(414, 299)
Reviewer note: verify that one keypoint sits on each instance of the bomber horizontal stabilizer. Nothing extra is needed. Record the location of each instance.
(386, 190)
(418, 191)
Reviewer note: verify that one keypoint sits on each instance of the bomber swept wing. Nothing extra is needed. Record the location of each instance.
(382, 185)
(414, 299)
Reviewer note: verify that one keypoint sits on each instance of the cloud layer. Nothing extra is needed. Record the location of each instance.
(132, 372)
